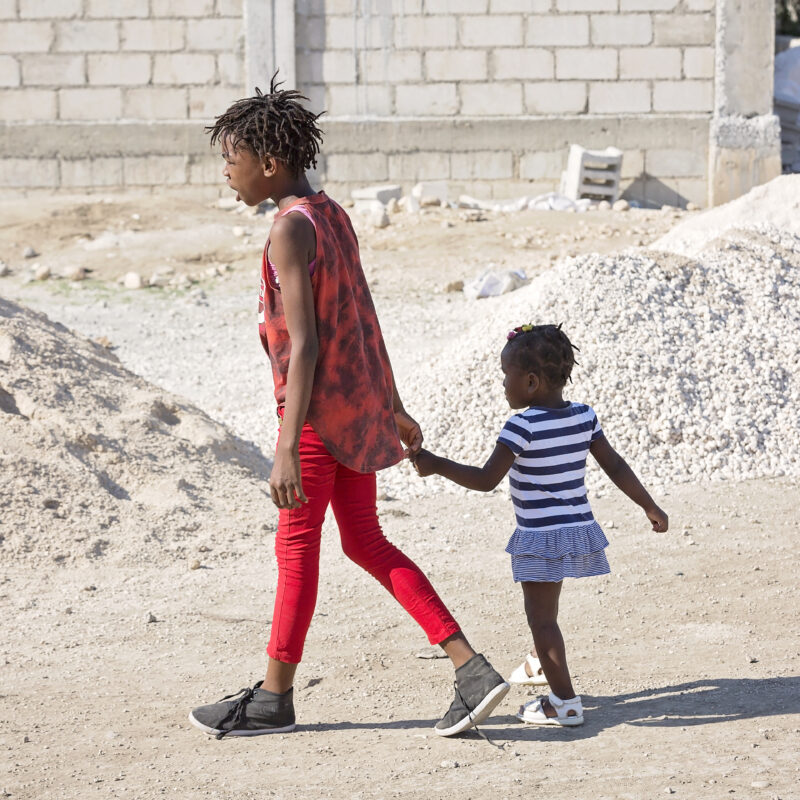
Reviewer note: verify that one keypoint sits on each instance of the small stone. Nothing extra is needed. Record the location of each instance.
(392, 206)
(753, 660)
(103, 341)
(159, 279)
(195, 564)
(348, 203)
(692, 207)
(238, 231)
(609, 524)
(429, 202)
(621, 205)
(90, 588)
(446, 223)
(151, 617)
(75, 273)
(204, 548)
(41, 272)
(760, 784)
(669, 790)
(29, 252)
(455, 286)
(4, 269)
(430, 653)
(132, 280)
(379, 219)
(603, 205)
(25, 740)
(449, 764)
(50, 502)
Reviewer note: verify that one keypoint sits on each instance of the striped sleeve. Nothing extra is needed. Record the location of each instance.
(516, 434)
(597, 431)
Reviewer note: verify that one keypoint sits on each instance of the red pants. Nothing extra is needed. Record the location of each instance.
(352, 497)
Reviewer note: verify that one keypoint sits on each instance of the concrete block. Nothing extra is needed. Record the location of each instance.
(686, 96)
(426, 99)
(456, 65)
(700, 5)
(519, 6)
(424, 32)
(208, 102)
(592, 173)
(310, 33)
(149, 103)
(683, 29)
(51, 70)
(230, 68)
(117, 9)
(80, 36)
(214, 34)
(698, 62)
(50, 9)
(153, 35)
(492, 99)
(546, 165)
(648, 5)
(182, 8)
(361, 33)
(18, 105)
(358, 167)
(391, 66)
(26, 37)
(413, 167)
(338, 66)
(638, 63)
(181, 68)
(119, 69)
(502, 30)
(622, 29)
(456, 6)
(229, 8)
(91, 104)
(523, 63)
(154, 170)
(29, 173)
(8, 9)
(552, 30)
(556, 97)
(586, 62)
(382, 193)
(91, 172)
(632, 163)
(619, 97)
(206, 171)
(676, 163)
(692, 190)
(586, 5)
(362, 100)
(9, 71)
(489, 165)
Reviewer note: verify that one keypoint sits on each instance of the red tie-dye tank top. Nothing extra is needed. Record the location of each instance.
(351, 399)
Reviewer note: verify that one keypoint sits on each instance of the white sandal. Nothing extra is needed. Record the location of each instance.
(521, 677)
(568, 712)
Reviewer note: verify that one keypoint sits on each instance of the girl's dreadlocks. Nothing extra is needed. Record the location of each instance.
(543, 349)
(274, 124)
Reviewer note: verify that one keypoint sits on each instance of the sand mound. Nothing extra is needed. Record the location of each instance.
(97, 462)
(776, 203)
(691, 365)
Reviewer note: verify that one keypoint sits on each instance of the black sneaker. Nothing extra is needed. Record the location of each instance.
(479, 688)
(254, 713)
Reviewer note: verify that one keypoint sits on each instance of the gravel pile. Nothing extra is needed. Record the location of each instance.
(690, 365)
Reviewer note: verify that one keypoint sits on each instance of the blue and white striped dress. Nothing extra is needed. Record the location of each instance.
(556, 535)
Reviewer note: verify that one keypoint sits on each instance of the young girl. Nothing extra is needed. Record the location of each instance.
(544, 450)
(341, 416)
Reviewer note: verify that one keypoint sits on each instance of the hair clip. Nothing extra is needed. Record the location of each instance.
(519, 330)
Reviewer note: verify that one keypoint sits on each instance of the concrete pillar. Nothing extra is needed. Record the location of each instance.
(269, 43)
(745, 142)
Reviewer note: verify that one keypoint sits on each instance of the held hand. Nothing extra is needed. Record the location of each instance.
(285, 484)
(424, 463)
(658, 518)
(410, 432)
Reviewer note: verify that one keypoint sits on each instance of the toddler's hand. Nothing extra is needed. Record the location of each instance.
(658, 518)
(424, 462)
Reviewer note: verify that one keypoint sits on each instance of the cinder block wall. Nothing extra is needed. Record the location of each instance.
(487, 94)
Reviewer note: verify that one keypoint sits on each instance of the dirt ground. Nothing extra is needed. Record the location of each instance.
(686, 656)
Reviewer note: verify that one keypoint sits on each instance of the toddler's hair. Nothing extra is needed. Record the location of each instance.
(274, 124)
(543, 349)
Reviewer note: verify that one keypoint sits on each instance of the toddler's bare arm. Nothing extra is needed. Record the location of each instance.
(482, 479)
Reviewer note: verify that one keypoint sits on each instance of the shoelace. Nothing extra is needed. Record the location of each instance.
(237, 712)
(477, 729)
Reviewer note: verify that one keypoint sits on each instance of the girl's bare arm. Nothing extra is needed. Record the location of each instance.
(292, 244)
(615, 466)
(482, 479)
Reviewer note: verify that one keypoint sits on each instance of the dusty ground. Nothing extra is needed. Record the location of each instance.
(686, 655)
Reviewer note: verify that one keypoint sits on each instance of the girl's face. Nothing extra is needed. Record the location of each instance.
(250, 178)
(520, 385)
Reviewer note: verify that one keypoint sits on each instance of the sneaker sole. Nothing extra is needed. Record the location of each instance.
(264, 732)
(479, 714)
